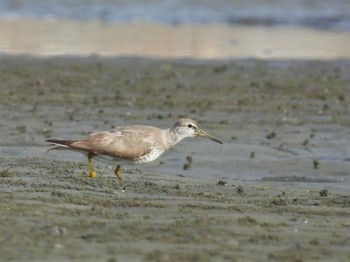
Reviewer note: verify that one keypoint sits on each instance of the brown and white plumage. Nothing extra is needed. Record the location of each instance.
(138, 144)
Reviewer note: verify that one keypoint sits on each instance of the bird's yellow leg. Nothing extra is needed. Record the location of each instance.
(92, 172)
(118, 173)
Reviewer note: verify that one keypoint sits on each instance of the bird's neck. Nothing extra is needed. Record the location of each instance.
(173, 137)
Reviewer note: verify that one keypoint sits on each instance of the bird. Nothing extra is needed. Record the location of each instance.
(136, 143)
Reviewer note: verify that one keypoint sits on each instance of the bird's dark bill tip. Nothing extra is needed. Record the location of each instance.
(204, 134)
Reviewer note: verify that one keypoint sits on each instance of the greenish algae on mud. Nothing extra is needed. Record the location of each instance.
(51, 211)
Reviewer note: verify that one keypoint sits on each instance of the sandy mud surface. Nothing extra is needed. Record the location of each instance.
(276, 190)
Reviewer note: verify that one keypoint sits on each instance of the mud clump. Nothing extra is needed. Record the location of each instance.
(188, 165)
(324, 192)
(221, 183)
(316, 164)
(271, 135)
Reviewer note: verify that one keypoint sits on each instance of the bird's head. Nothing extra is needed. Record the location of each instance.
(186, 127)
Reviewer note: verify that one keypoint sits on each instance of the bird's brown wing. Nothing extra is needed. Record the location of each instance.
(124, 143)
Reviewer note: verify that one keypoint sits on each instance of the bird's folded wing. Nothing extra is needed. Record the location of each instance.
(123, 144)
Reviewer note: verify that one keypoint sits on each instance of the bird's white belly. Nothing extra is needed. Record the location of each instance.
(151, 156)
(110, 160)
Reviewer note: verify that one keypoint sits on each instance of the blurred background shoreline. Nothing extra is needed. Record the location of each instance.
(177, 29)
(61, 37)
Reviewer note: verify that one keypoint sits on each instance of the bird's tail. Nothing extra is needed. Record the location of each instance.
(61, 144)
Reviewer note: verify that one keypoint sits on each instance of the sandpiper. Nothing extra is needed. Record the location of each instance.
(137, 144)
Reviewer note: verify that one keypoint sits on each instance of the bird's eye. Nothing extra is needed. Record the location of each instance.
(190, 125)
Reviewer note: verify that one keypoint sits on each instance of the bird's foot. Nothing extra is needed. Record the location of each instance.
(92, 174)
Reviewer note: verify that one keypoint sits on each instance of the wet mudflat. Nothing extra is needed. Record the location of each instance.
(277, 189)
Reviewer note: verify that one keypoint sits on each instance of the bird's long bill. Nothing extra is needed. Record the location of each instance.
(202, 133)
